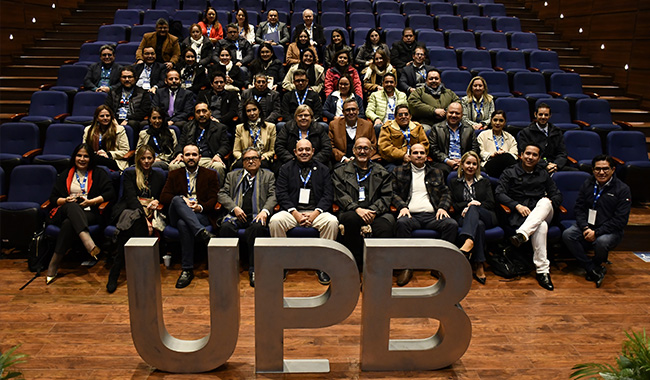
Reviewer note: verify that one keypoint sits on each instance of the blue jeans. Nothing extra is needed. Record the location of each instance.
(576, 243)
(189, 224)
(476, 221)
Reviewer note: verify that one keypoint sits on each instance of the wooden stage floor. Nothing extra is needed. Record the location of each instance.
(73, 329)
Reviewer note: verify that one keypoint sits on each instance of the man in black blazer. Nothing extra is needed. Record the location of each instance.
(414, 75)
(211, 138)
(180, 110)
(240, 49)
(150, 74)
(102, 75)
(268, 99)
(450, 139)
(304, 192)
(301, 95)
(315, 31)
(404, 48)
(129, 103)
(272, 30)
(224, 105)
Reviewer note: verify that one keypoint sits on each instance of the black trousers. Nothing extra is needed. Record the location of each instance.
(138, 229)
(72, 220)
(497, 164)
(253, 230)
(382, 227)
(108, 162)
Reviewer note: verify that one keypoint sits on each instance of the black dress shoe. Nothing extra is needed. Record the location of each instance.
(251, 279)
(111, 285)
(544, 280)
(517, 240)
(596, 276)
(404, 276)
(205, 236)
(184, 279)
(323, 278)
(481, 280)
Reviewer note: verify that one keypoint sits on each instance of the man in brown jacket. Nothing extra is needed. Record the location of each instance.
(344, 131)
(168, 51)
(398, 136)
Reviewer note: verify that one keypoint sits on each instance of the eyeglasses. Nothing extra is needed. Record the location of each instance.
(604, 170)
(251, 159)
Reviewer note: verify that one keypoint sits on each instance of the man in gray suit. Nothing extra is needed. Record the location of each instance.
(248, 195)
(272, 31)
(450, 139)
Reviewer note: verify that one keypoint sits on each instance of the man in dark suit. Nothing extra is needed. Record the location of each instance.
(414, 76)
(272, 30)
(211, 138)
(363, 189)
(180, 109)
(168, 49)
(224, 105)
(268, 99)
(248, 195)
(191, 194)
(304, 192)
(548, 137)
(450, 139)
(150, 74)
(315, 31)
(404, 48)
(129, 103)
(102, 75)
(301, 95)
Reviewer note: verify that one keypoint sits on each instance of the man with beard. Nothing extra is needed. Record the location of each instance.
(398, 136)
(150, 73)
(363, 190)
(414, 76)
(248, 195)
(224, 105)
(301, 95)
(602, 210)
(190, 194)
(405, 48)
(304, 193)
(177, 101)
(548, 137)
(428, 103)
(423, 200)
(167, 48)
(449, 140)
(129, 103)
(102, 75)
(209, 136)
(532, 197)
(382, 104)
(344, 131)
(268, 99)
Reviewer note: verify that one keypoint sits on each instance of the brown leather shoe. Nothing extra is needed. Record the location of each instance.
(404, 276)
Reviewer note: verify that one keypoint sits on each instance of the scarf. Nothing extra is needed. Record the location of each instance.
(197, 45)
(239, 195)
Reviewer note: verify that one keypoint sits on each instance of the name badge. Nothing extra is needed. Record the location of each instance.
(362, 193)
(391, 116)
(239, 55)
(146, 85)
(121, 113)
(303, 197)
(591, 217)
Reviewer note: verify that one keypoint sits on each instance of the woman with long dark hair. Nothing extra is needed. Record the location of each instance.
(300, 44)
(254, 132)
(200, 44)
(234, 76)
(134, 212)
(498, 148)
(268, 63)
(159, 137)
(193, 74)
(333, 106)
(246, 30)
(338, 44)
(341, 65)
(366, 51)
(314, 72)
(108, 139)
(210, 26)
(76, 197)
(373, 75)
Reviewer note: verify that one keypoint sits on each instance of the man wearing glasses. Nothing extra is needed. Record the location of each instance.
(129, 103)
(601, 210)
(363, 190)
(398, 136)
(423, 200)
(301, 95)
(248, 195)
(344, 131)
(102, 75)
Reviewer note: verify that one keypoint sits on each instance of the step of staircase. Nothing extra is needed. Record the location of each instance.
(44, 60)
(580, 69)
(87, 27)
(596, 79)
(31, 70)
(17, 81)
(52, 51)
(11, 107)
(59, 42)
(18, 93)
(604, 90)
(630, 115)
(621, 101)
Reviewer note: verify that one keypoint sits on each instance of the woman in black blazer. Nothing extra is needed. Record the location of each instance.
(474, 204)
(132, 215)
(76, 195)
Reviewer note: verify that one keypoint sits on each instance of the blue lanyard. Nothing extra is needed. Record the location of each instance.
(391, 109)
(189, 188)
(237, 44)
(106, 73)
(273, 29)
(422, 73)
(126, 99)
(496, 141)
(305, 180)
(303, 97)
(359, 180)
(479, 110)
(258, 98)
(300, 134)
(155, 141)
(256, 137)
(597, 194)
(209, 30)
(100, 141)
(82, 185)
(200, 136)
(407, 135)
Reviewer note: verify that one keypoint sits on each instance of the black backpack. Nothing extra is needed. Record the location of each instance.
(509, 263)
(39, 253)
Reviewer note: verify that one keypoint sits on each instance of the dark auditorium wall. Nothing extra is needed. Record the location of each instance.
(16, 18)
(622, 25)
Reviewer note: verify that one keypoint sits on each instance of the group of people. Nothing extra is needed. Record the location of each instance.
(250, 149)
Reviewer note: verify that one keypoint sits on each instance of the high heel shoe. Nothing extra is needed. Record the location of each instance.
(50, 279)
(95, 252)
(481, 280)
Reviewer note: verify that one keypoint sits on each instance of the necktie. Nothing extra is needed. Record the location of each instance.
(172, 97)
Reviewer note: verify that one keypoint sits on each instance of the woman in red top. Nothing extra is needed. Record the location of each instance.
(341, 65)
(210, 26)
